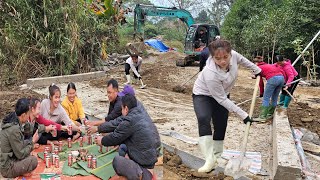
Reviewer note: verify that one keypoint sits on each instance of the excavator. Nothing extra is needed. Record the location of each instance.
(198, 35)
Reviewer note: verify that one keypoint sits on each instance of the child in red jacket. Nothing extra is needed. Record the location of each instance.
(290, 75)
(275, 81)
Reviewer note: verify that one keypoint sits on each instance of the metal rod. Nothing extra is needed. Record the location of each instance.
(314, 38)
(293, 82)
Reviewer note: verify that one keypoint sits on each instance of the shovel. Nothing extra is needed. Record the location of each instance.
(238, 167)
(181, 88)
(143, 86)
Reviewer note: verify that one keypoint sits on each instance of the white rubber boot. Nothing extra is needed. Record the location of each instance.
(128, 79)
(217, 149)
(206, 146)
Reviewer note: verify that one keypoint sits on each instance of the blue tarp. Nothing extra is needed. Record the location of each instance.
(157, 44)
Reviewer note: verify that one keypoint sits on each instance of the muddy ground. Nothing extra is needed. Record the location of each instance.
(174, 111)
(8, 99)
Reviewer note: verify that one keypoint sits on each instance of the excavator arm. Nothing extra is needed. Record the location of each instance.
(142, 10)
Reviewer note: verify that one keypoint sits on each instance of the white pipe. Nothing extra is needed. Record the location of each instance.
(314, 38)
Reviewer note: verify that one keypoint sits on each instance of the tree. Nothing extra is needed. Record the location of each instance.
(218, 9)
(203, 17)
(190, 5)
(272, 27)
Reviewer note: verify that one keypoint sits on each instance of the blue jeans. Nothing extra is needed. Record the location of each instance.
(272, 90)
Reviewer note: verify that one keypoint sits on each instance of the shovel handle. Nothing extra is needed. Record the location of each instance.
(253, 102)
(141, 82)
(190, 79)
(290, 95)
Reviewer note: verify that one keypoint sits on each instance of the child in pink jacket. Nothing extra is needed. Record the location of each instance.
(275, 81)
(290, 75)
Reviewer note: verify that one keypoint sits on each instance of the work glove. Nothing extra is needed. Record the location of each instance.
(247, 119)
(259, 74)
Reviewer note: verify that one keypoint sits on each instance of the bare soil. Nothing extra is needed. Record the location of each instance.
(9, 98)
(174, 163)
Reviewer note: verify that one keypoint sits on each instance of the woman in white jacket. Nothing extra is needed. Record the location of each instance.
(211, 98)
(133, 62)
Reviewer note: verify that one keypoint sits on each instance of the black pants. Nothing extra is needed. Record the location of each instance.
(43, 139)
(130, 169)
(293, 86)
(127, 69)
(207, 109)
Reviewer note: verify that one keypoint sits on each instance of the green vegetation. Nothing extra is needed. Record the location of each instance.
(46, 38)
(271, 25)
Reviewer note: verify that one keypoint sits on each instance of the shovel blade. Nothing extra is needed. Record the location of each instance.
(143, 86)
(237, 167)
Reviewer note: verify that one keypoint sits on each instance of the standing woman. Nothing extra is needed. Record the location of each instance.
(211, 98)
(73, 105)
(52, 109)
(290, 75)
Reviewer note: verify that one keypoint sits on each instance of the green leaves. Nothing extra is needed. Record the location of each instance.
(263, 25)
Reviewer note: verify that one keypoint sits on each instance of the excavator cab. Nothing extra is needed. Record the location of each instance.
(198, 37)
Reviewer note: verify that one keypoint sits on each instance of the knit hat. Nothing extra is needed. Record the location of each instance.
(127, 89)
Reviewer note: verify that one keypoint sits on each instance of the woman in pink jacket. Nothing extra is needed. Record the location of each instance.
(290, 74)
(275, 81)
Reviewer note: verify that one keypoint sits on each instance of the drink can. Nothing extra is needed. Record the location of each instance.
(45, 154)
(69, 159)
(54, 132)
(53, 159)
(89, 161)
(89, 140)
(48, 163)
(47, 148)
(56, 150)
(57, 161)
(60, 146)
(81, 141)
(94, 163)
(69, 129)
(93, 138)
(69, 143)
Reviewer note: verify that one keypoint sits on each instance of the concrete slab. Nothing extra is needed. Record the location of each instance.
(46, 81)
(286, 162)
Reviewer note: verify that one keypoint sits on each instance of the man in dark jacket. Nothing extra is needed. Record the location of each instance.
(115, 103)
(15, 158)
(203, 57)
(133, 129)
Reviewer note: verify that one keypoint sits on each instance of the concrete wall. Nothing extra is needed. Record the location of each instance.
(46, 81)
(286, 162)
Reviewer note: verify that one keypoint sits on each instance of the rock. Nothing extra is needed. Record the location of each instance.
(307, 119)
(175, 161)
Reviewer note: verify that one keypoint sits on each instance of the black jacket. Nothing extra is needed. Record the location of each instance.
(114, 109)
(137, 132)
